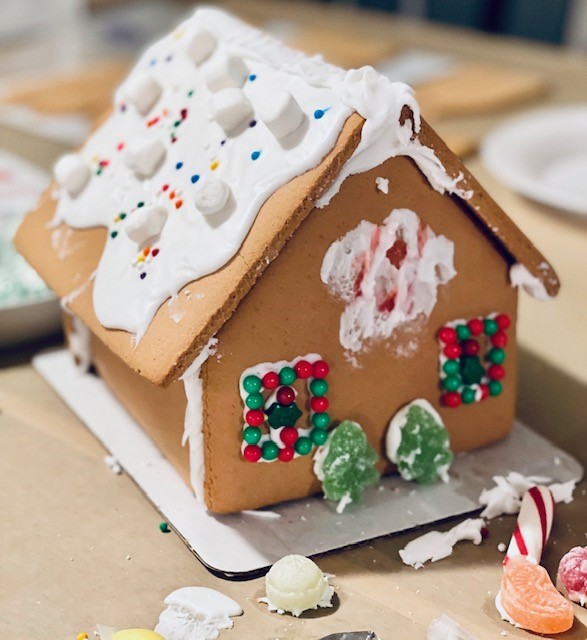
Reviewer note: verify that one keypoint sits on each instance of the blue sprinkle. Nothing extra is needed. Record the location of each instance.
(319, 113)
(143, 275)
(252, 77)
(222, 143)
(195, 178)
(252, 123)
(179, 165)
(255, 155)
(153, 62)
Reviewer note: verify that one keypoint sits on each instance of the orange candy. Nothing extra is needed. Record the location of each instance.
(531, 600)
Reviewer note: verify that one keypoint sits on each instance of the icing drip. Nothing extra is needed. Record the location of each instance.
(194, 418)
(387, 275)
(521, 277)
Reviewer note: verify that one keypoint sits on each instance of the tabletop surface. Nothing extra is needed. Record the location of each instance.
(81, 546)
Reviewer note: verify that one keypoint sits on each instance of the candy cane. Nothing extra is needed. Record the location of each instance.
(533, 525)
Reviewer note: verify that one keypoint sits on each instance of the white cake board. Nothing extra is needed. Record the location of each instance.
(242, 545)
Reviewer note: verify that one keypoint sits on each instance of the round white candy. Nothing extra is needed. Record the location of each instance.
(223, 72)
(143, 90)
(281, 113)
(212, 196)
(144, 155)
(200, 45)
(230, 108)
(72, 173)
(294, 584)
(145, 223)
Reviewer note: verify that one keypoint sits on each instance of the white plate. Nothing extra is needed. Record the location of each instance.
(543, 155)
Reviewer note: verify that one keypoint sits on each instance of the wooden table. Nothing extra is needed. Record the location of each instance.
(80, 545)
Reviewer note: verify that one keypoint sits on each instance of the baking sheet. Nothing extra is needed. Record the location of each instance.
(243, 545)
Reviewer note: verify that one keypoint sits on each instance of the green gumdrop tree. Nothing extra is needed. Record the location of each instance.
(349, 465)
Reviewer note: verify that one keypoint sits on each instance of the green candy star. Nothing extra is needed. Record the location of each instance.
(281, 416)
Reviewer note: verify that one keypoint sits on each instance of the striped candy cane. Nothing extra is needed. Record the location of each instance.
(533, 525)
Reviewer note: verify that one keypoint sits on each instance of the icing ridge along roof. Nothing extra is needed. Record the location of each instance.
(219, 144)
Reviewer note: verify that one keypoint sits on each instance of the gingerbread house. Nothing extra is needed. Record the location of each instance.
(254, 246)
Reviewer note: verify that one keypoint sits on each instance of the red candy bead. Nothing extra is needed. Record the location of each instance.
(252, 453)
(303, 369)
(499, 339)
(286, 454)
(448, 335)
(286, 396)
(496, 372)
(289, 435)
(319, 405)
(270, 380)
(451, 399)
(255, 417)
(320, 369)
(452, 351)
(470, 347)
(484, 391)
(475, 326)
(503, 321)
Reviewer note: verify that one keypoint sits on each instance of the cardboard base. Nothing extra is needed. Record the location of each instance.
(243, 545)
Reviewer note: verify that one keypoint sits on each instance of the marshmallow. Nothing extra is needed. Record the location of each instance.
(224, 72)
(281, 113)
(144, 155)
(212, 196)
(230, 108)
(143, 90)
(146, 223)
(200, 46)
(72, 173)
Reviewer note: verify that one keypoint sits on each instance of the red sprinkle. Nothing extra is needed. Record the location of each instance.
(286, 454)
(154, 252)
(451, 399)
(503, 321)
(452, 351)
(499, 339)
(104, 163)
(476, 326)
(496, 372)
(255, 417)
(289, 435)
(165, 187)
(184, 114)
(152, 121)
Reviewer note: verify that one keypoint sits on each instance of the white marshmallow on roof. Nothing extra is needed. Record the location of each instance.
(223, 72)
(200, 45)
(144, 155)
(146, 223)
(72, 173)
(281, 113)
(212, 196)
(143, 90)
(230, 108)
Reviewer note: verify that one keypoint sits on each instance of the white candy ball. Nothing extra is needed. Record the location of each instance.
(146, 223)
(281, 113)
(212, 196)
(224, 72)
(143, 90)
(72, 173)
(230, 108)
(295, 583)
(144, 155)
(200, 45)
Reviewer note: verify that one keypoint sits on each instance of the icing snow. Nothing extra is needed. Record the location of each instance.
(382, 184)
(521, 277)
(387, 275)
(445, 628)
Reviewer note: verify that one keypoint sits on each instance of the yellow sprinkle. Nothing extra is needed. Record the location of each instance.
(117, 219)
(95, 158)
(141, 258)
(82, 636)
(178, 34)
(214, 165)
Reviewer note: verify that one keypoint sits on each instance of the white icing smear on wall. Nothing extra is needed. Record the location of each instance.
(387, 275)
(191, 143)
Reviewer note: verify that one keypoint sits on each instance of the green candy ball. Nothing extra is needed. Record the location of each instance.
(269, 450)
(463, 332)
(254, 401)
(318, 387)
(496, 356)
(287, 375)
(303, 446)
(490, 326)
(252, 384)
(495, 388)
(252, 435)
(450, 367)
(321, 420)
(468, 395)
(319, 436)
(451, 383)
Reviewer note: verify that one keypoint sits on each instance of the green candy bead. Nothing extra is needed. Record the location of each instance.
(303, 446)
(287, 375)
(450, 367)
(463, 332)
(468, 395)
(319, 436)
(495, 388)
(496, 356)
(269, 450)
(252, 435)
(490, 326)
(451, 383)
(318, 387)
(254, 401)
(321, 420)
(252, 384)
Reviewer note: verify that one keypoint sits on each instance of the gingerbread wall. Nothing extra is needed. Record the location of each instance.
(290, 312)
